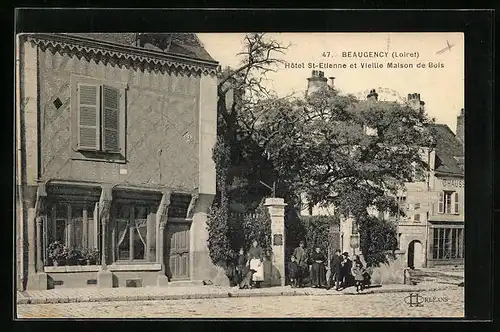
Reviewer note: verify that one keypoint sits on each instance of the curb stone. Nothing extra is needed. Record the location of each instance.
(166, 297)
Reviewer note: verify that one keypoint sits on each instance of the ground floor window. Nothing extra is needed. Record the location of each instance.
(448, 243)
(72, 224)
(134, 232)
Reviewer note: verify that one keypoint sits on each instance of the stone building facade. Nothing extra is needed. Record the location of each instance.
(115, 138)
(432, 230)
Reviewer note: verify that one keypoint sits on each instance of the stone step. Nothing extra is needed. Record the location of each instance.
(185, 283)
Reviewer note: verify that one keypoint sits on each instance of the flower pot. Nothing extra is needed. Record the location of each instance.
(70, 262)
(88, 261)
(55, 262)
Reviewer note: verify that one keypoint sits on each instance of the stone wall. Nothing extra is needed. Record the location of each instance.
(390, 273)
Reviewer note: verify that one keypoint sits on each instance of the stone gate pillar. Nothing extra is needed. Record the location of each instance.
(276, 208)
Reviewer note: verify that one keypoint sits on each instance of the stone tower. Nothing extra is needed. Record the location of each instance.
(414, 101)
(316, 82)
(373, 95)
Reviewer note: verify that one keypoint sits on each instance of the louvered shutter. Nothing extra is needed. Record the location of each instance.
(441, 203)
(110, 119)
(88, 117)
(457, 203)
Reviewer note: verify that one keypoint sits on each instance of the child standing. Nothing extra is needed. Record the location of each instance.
(293, 270)
(357, 272)
(240, 267)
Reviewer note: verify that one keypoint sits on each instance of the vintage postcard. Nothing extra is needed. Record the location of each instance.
(240, 175)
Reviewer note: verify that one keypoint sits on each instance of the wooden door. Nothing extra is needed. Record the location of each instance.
(177, 246)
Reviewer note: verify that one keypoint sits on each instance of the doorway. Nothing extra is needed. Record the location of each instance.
(415, 254)
(177, 251)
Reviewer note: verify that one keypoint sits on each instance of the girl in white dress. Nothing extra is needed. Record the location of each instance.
(256, 263)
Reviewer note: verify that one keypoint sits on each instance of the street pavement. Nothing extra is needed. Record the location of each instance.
(396, 304)
(180, 292)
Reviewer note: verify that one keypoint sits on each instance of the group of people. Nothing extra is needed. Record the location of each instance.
(343, 273)
(304, 269)
(250, 267)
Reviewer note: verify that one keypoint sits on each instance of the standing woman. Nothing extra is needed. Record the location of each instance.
(318, 268)
(255, 262)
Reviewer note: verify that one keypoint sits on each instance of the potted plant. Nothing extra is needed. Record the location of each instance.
(81, 257)
(74, 255)
(91, 255)
(57, 253)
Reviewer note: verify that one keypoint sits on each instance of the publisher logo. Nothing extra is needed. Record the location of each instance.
(417, 300)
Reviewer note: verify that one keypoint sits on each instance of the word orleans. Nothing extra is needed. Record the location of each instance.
(361, 65)
(417, 300)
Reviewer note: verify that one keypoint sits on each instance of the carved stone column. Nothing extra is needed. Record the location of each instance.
(29, 238)
(40, 213)
(40, 216)
(39, 240)
(192, 205)
(104, 276)
(95, 225)
(85, 228)
(161, 221)
(69, 227)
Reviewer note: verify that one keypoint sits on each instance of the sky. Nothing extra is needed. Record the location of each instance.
(441, 86)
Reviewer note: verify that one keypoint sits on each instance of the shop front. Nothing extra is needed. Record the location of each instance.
(447, 245)
(136, 236)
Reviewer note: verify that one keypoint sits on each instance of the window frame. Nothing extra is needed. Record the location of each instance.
(448, 240)
(68, 220)
(448, 202)
(131, 229)
(98, 154)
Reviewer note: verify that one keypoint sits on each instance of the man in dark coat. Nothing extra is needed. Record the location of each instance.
(345, 270)
(300, 257)
(335, 266)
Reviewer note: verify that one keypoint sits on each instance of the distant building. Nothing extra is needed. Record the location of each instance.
(317, 82)
(115, 153)
(432, 232)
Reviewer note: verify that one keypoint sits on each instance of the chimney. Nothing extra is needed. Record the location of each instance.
(461, 126)
(333, 82)
(316, 82)
(414, 101)
(373, 95)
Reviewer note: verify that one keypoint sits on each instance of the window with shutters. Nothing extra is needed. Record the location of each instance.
(457, 204)
(98, 113)
(448, 202)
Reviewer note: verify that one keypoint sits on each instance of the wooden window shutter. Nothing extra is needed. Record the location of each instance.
(441, 202)
(110, 119)
(88, 117)
(457, 203)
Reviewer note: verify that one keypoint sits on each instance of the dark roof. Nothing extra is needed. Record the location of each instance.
(446, 141)
(449, 150)
(183, 44)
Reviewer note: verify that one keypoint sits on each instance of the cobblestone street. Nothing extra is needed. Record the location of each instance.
(356, 305)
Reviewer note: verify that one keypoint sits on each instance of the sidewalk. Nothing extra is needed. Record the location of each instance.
(94, 294)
